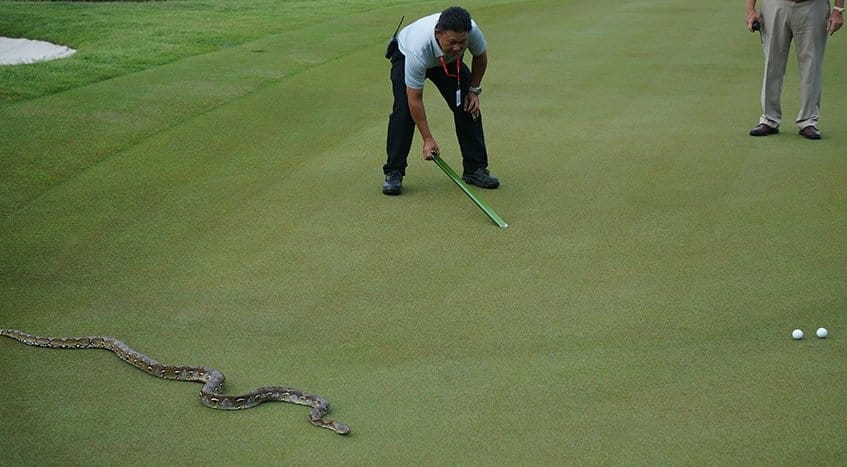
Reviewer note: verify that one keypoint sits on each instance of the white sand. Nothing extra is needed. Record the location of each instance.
(17, 51)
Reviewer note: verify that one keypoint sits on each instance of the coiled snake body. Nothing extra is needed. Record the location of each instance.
(210, 394)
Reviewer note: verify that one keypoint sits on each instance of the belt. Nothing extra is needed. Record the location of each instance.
(798, 1)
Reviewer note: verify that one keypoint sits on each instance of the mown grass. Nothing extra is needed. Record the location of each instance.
(224, 209)
(116, 38)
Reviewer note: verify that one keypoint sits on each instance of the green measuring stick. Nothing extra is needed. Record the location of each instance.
(473, 196)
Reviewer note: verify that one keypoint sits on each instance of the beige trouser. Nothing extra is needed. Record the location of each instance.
(805, 23)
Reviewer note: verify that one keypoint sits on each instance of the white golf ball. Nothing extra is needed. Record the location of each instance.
(797, 334)
(821, 332)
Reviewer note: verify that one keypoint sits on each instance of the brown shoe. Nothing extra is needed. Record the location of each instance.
(763, 129)
(810, 132)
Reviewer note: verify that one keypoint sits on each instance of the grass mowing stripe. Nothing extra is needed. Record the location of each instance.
(78, 128)
(114, 39)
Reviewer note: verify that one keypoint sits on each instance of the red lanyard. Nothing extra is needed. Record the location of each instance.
(444, 65)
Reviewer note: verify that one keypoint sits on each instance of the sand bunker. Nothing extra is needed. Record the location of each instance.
(18, 51)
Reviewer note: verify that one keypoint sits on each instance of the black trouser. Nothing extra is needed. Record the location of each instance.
(401, 127)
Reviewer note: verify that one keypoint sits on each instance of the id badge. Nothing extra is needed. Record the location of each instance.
(458, 97)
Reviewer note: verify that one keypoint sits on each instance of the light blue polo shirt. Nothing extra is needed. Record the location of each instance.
(417, 42)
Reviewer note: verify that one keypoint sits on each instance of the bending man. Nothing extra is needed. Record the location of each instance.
(432, 48)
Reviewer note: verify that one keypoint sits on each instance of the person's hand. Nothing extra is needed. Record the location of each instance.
(752, 17)
(430, 149)
(472, 105)
(836, 20)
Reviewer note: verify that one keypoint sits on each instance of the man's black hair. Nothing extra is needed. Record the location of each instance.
(455, 19)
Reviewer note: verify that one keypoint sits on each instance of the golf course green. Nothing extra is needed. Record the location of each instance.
(201, 180)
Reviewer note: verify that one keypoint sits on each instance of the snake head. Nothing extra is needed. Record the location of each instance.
(340, 428)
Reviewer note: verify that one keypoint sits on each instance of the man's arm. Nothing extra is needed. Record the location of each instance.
(836, 18)
(752, 15)
(416, 108)
(479, 64)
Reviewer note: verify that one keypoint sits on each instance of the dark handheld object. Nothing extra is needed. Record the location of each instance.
(756, 26)
(392, 47)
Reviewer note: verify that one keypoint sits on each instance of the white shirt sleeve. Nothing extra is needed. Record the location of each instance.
(415, 73)
(476, 41)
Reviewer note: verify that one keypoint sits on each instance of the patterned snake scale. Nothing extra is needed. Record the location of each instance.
(210, 394)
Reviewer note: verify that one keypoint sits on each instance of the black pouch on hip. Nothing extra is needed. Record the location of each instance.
(392, 47)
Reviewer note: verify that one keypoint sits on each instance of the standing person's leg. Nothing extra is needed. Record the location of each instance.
(810, 40)
(776, 43)
(401, 129)
(469, 130)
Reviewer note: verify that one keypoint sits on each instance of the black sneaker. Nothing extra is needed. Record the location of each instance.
(393, 184)
(481, 178)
